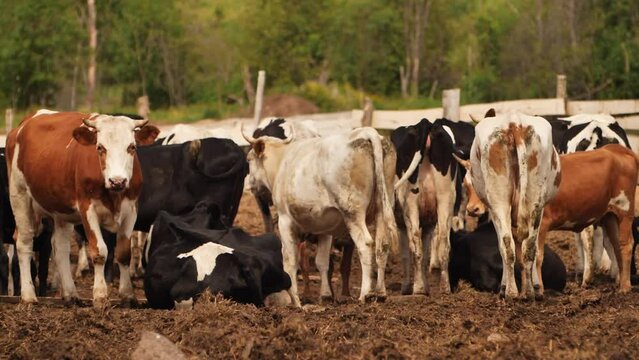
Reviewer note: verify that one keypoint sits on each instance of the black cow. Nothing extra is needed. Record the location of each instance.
(41, 243)
(475, 258)
(425, 153)
(177, 177)
(183, 258)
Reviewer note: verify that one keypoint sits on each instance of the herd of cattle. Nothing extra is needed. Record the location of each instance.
(98, 178)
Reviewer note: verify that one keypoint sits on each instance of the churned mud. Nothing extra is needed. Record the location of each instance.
(580, 323)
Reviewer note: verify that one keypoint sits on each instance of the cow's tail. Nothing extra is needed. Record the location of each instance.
(411, 168)
(385, 197)
(521, 186)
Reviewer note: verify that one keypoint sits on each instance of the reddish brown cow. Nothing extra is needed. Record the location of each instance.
(76, 168)
(596, 187)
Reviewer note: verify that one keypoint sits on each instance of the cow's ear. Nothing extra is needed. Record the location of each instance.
(490, 113)
(259, 146)
(85, 136)
(146, 135)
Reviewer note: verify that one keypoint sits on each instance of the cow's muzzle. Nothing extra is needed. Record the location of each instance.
(117, 184)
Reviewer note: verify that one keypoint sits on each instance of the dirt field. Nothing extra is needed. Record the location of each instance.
(581, 323)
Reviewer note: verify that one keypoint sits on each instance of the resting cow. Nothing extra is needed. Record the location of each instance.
(184, 257)
(610, 201)
(90, 160)
(475, 258)
(328, 187)
(515, 171)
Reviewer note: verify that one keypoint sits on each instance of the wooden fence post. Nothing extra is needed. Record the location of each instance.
(143, 106)
(367, 117)
(562, 83)
(259, 96)
(8, 120)
(450, 102)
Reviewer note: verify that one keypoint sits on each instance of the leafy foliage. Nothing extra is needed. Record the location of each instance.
(333, 52)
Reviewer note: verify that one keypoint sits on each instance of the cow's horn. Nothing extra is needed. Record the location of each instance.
(473, 118)
(140, 123)
(248, 138)
(290, 136)
(88, 122)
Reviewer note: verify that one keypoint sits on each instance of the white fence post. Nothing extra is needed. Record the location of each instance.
(450, 103)
(367, 117)
(259, 96)
(8, 120)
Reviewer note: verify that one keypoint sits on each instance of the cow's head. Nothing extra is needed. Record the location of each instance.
(264, 159)
(475, 206)
(115, 139)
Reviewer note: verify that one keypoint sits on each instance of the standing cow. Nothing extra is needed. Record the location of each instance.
(76, 168)
(515, 171)
(331, 186)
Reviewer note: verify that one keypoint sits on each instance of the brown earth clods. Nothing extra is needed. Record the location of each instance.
(580, 323)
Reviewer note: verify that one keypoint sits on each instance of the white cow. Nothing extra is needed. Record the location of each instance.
(331, 186)
(515, 171)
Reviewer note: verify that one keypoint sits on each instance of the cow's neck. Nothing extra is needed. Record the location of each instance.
(272, 161)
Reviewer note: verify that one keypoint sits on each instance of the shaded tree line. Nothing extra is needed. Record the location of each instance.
(207, 51)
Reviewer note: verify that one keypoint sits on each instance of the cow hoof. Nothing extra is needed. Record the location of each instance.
(380, 298)
(100, 303)
(71, 300)
(28, 301)
(129, 302)
(370, 298)
(502, 292)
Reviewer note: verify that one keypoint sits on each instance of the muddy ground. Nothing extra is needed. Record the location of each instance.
(580, 323)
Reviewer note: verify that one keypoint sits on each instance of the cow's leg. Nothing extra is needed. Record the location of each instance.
(538, 281)
(83, 259)
(507, 250)
(345, 267)
(364, 243)
(579, 261)
(43, 262)
(587, 245)
(289, 253)
(322, 262)
(620, 233)
(305, 266)
(123, 254)
(613, 264)
(61, 237)
(98, 252)
(414, 233)
(263, 201)
(24, 216)
(4, 269)
(597, 248)
(531, 251)
(13, 286)
(459, 222)
(405, 256)
(445, 210)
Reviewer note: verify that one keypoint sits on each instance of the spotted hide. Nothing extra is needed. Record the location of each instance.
(515, 171)
(185, 257)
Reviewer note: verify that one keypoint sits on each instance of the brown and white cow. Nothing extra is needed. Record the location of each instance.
(76, 168)
(515, 170)
(597, 187)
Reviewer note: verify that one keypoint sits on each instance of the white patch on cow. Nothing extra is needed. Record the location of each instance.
(450, 133)
(10, 249)
(620, 201)
(115, 134)
(44, 112)
(568, 225)
(83, 261)
(580, 119)
(184, 304)
(147, 246)
(205, 257)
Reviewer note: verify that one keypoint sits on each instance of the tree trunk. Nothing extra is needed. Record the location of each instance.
(415, 20)
(403, 81)
(93, 45)
(248, 85)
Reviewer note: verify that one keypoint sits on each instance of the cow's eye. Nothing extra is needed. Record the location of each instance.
(101, 149)
(131, 148)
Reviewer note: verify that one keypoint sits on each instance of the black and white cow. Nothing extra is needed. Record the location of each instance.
(429, 200)
(185, 257)
(475, 258)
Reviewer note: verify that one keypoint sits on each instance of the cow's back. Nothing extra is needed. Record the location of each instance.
(47, 156)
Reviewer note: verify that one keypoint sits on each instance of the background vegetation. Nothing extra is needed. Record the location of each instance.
(200, 55)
